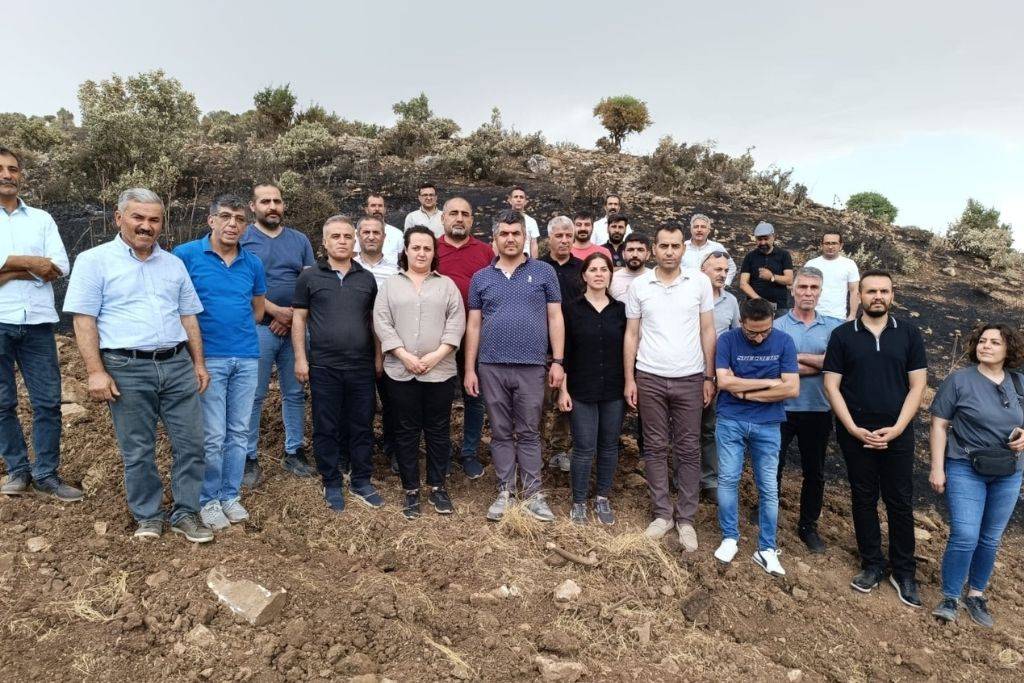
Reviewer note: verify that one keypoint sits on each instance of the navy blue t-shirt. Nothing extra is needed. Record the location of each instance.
(284, 257)
(770, 359)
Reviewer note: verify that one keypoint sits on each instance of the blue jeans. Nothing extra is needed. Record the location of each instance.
(151, 390)
(227, 406)
(595, 431)
(979, 509)
(275, 350)
(763, 440)
(33, 349)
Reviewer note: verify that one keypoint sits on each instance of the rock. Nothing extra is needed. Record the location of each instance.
(247, 599)
(643, 632)
(670, 665)
(922, 535)
(68, 410)
(158, 578)
(37, 544)
(200, 636)
(948, 270)
(696, 605)
(71, 391)
(334, 653)
(799, 593)
(557, 670)
(505, 591)
(668, 591)
(427, 161)
(100, 528)
(357, 663)
(920, 662)
(803, 567)
(794, 675)
(481, 599)
(296, 633)
(206, 673)
(538, 164)
(567, 591)
(557, 641)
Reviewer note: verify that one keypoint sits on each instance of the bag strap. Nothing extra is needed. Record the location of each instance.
(1015, 377)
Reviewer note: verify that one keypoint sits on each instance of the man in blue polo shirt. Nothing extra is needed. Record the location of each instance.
(231, 286)
(514, 311)
(757, 370)
(808, 416)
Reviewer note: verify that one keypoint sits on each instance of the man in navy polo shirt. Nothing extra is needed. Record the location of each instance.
(514, 311)
(231, 286)
(757, 370)
(808, 416)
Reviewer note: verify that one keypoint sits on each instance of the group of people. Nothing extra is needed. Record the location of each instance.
(413, 317)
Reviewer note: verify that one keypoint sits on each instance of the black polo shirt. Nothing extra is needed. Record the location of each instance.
(339, 321)
(568, 273)
(777, 261)
(593, 350)
(874, 369)
(616, 251)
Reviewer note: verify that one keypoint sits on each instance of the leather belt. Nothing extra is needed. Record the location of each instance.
(162, 354)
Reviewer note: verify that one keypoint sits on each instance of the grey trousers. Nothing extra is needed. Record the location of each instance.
(514, 396)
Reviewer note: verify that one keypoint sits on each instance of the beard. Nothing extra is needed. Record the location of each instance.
(764, 248)
(875, 313)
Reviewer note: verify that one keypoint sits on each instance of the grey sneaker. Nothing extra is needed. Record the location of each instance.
(499, 506)
(16, 484)
(977, 609)
(560, 461)
(537, 507)
(192, 529)
(150, 528)
(213, 516)
(946, 610)
(56, 488)
(603, 511)
(233, 510)
(578, 513)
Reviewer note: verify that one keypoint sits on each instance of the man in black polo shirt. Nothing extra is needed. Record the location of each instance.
(875, 375)
(767, 271)
(567, 267)
(334, 299)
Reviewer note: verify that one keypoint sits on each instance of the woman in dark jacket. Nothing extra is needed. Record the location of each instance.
(976, 441)
(595, 326)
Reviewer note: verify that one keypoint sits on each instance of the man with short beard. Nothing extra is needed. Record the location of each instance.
(767, 270)
(394, 239)
(582, 246)
(460, 256)
(428, 215)
(876, 371)
(285, 252)
(635, 252)
(616, 238)
(612, 205)
(699, 246)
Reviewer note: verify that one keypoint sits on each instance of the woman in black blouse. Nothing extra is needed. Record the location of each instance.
(595, 325)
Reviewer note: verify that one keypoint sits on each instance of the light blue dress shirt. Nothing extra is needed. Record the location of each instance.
(29, 232)
(811, 338)
(137, 304)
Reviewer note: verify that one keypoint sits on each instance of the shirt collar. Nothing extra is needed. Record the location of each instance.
(119, 242)
(817, 319)
(857, 325)
(22, 207)
(682, 276)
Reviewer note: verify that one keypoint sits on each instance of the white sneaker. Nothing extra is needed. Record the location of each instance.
(658, 528)
(213, 516)
(687, 537)
(499, 506)
(726, 551)
(234, 511)
(561, 461)
(768, 560)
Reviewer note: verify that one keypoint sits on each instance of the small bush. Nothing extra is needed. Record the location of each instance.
(306, 145)
(275, 108)
(978, 232)
(621, 115)
(872, 204)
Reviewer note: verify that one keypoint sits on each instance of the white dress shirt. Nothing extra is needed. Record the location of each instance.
(29, 232)
(421, 217)
(599, 235)
(694, 257)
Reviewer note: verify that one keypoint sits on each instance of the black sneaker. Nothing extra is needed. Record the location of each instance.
(253, 474)
(441, 501)
(297, 464)
(866, 579)
(946, 610)
(603, 511)
(472, 467)
(977, 609)
(335, 498)
(16, 484)
(812, 540)
(56, 488)
(906, 588)
(411, 509)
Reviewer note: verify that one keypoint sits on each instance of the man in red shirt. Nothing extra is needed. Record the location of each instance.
(459, 256)
(582, 247)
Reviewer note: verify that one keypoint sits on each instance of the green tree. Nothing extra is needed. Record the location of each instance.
(416, 109)
(275, 109)
(978, 232)
(872, 204)
(622, 115)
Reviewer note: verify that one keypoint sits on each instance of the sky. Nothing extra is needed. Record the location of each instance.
(921, 101)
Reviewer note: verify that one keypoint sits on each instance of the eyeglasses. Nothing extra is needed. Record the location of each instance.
(715, 254)
(756, 336)
(228, 217)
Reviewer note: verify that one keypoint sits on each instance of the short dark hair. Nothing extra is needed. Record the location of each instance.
(372, 195)
(424, 186)
(667, 228)
(266, 184)
(837, 233)
(7, 151)
(610, 195)
(874, 273)
(403, 260)
(597, 255)
(227, 200)
(507, 217)
(756, 309)
(618, 218)
(638, 237)
(1012, 337)
(583, 214)
(520, 188)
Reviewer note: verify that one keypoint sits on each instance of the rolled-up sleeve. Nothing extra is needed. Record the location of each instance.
(85, 288)
(455, 316)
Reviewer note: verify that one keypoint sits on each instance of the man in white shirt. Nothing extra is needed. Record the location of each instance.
(428, 215)
(612, 205)
(635, 253)
(370, 237)
(394, 240)
(668, 354)
(518, 200)
(31, 257)
(699, 246)
(839, 295)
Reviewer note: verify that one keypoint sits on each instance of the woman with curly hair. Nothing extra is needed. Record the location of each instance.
(976, 444)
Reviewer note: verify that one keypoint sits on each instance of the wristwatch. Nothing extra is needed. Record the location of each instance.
(560, 361)
(712, 379)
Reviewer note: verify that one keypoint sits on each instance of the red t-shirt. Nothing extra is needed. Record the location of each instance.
(584, 253)
(461, 263)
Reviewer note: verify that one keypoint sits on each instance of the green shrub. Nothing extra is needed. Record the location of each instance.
(275, 108)
(978, 232)
(621, 115)
(872, 204)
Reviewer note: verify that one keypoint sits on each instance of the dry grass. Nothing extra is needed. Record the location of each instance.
(99, 603)
(462, 667)
(641, 560)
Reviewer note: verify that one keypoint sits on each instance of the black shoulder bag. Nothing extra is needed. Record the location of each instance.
(998, 462)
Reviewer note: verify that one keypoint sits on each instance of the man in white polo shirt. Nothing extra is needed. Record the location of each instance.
(518, 199)
(612, 205)
(428, 215)
(698, 247)
(839, 288)
(669, 354)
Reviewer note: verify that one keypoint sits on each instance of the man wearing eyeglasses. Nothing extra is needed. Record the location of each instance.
(757, 370)
(428, 214)
(699, 247)
(839, 288)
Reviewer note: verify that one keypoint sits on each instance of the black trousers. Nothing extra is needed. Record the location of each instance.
(422, 408)
(811, 431)
(342, 423)
(889, 473)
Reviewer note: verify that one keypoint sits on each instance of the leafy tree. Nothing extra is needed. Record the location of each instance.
(979, 233)
(621, 115)
(415, 109)
(275, 108)
(872, 204)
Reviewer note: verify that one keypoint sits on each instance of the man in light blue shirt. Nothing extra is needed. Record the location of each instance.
(31, 257)
(135, 312)
(231, 286)
(808, 416)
